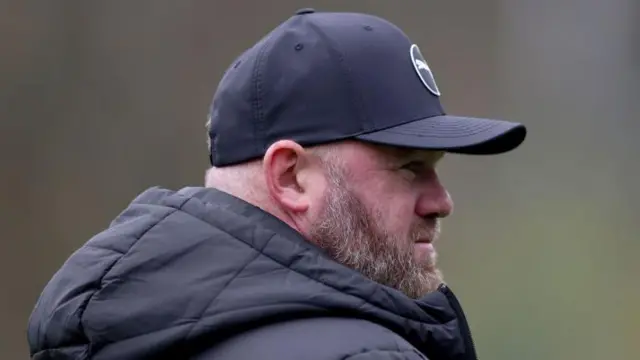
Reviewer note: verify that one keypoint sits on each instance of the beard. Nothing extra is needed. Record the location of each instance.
(352, 234)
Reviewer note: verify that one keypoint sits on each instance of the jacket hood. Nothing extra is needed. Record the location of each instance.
(177, 271)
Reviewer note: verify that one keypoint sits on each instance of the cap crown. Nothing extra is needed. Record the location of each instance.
(319, 77)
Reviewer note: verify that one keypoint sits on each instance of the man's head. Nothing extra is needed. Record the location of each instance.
(373, 208)
(332, 122)
(380, 214)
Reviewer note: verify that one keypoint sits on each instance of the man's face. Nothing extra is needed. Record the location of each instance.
(380, 215)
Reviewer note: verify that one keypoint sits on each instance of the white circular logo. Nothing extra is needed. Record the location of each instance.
(423, 70)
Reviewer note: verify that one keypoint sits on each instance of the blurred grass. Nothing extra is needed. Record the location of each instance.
(545, 283)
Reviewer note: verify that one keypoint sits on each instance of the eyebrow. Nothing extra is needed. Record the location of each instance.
(403, 155)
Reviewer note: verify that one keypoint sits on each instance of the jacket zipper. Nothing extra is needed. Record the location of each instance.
(464, 325)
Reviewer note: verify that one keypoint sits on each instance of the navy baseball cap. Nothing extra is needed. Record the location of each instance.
(321, 77)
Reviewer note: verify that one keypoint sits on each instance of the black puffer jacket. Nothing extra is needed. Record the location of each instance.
(203, 275)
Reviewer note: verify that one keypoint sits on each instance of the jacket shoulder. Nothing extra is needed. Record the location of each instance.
(315, 339)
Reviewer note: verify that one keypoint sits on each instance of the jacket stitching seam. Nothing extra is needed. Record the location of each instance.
(215, 296)
(83, 307)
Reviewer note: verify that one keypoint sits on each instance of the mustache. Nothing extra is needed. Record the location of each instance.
(429, 229)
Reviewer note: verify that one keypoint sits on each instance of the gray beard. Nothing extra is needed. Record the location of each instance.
(351, 234)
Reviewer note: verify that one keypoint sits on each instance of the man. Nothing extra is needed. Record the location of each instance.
(314, 236)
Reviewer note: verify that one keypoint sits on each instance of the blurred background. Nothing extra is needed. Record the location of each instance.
(101, 100)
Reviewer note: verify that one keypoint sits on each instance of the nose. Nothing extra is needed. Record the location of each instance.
(434, 200)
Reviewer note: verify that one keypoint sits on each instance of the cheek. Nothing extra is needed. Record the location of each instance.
(394, 203)
(399, 215)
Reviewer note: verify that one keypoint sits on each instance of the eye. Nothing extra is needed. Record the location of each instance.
(413, 169)
(414, 166)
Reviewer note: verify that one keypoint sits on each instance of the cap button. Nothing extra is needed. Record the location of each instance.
(305, 11)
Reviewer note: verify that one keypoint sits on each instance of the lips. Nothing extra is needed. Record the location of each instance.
(424, 251)
(427, 235)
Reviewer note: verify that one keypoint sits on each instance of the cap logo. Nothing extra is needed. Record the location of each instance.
(423, 70)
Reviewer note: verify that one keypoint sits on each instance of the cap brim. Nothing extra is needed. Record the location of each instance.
(462, 135)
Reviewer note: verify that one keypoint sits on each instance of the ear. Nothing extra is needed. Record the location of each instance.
(282, 166)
